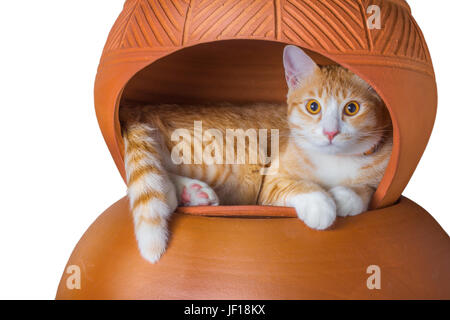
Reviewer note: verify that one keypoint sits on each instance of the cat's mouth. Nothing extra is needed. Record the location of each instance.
(349, 145)
(331, 148)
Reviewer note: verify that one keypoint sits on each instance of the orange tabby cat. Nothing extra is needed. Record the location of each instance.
(329, 148)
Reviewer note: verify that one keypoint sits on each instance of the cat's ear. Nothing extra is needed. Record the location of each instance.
(297, 65)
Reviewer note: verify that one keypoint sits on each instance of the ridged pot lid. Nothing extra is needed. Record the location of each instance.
(393, 59)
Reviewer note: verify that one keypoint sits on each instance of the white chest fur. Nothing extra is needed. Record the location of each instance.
(333, 170)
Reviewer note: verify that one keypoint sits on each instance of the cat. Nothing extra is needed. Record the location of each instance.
(334, 140)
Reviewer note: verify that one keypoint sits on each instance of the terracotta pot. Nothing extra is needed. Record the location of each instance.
(195, 51)
(270, 258)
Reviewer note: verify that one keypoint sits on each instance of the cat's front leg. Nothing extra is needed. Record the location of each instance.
(351, 201)
(313, 205)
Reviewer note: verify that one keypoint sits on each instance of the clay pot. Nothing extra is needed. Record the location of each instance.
(212, 51)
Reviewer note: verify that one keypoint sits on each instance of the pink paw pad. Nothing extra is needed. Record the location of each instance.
(203, 195)
(194, 195)
(185, 196)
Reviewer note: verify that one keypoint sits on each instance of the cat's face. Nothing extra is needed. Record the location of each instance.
(331, 110)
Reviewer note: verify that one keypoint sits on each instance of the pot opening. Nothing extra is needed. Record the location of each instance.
(232, 71)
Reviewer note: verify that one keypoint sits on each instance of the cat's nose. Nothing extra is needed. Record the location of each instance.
(330, 134)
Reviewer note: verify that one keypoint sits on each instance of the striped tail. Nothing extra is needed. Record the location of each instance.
(150, 191)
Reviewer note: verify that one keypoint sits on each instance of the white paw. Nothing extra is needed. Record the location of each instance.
(152, 241)
(348, 202)
(316, 209)
(198, 193)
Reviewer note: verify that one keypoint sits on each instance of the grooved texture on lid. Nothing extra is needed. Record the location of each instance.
(177, 41)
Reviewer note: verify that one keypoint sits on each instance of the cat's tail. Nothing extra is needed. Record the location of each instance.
(151, 193)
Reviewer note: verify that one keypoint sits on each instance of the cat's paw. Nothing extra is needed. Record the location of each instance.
(348, 202)
(198, 193)
(316, 209)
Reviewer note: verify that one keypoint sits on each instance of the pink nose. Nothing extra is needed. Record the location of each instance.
(330, 134)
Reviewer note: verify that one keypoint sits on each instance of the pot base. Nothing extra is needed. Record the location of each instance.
(265, 258)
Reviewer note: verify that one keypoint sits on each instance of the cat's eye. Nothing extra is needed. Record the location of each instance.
(351, 108)
(313, 106)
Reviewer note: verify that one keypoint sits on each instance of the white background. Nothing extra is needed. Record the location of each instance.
(56, 173)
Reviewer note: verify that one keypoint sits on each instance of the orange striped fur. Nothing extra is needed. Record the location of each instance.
(319, 177)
